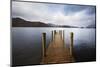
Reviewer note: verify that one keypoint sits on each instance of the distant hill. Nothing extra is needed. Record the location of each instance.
(18, 22)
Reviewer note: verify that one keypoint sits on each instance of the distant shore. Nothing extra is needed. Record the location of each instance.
(18, 22)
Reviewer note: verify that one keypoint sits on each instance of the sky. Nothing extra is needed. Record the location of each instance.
(59, 14)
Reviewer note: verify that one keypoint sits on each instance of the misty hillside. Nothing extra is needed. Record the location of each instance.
(18, 22)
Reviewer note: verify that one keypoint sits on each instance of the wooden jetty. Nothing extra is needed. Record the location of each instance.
(56, 51)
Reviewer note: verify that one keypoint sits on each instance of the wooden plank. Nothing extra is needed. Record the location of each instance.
(57, 52)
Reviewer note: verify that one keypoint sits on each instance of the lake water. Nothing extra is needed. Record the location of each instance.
(27, 44)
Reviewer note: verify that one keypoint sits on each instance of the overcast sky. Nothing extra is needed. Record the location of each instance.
(59, 14)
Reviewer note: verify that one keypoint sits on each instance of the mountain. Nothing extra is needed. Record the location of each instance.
(18, 22)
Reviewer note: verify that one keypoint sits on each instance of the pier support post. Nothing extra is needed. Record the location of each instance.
(63, 34)
(63, 37)
(52, 36)
(44, 44)
(60, 32)
(71, 45)
(54, 33)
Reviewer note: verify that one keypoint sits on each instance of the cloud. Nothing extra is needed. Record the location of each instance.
(54, 13)
(28, 11)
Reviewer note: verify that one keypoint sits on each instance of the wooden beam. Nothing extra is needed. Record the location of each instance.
(44, 44)
(71, 45)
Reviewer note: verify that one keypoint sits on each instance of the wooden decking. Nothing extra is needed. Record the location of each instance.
(57, 52)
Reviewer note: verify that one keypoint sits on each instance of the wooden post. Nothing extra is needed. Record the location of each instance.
(52, 36)
(44, 44)
(63, 37)
(63, 34)
(54, 33)
(71, 45)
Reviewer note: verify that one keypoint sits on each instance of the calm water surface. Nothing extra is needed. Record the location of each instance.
(27, 44)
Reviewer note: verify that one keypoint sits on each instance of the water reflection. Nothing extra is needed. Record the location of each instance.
(27, 47)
